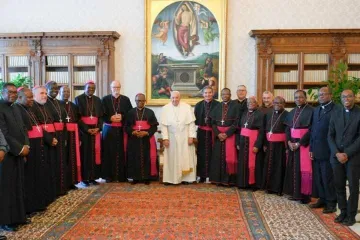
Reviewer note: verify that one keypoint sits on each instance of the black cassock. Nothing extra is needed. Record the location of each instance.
(204, 136)
(298, 118)
(275, 159)
(253, 121)
(72, 118)
(12, 197)
(36, 166)
(114, 159)
(223, 116)
(90, 108)
(58, 114)
(138, 149)
(48, 168)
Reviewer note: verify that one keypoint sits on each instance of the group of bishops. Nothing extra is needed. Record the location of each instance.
(49, 146)
(302, 153)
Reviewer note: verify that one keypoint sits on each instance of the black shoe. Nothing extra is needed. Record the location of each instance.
(329, 210)
(280, 194)
(147, 182)
(3, 237)
(94, 182)
(349, 221)
(185, 183)
(9, 228)
(134, 182)
(318, 204)
(340, 218)
(167, 184)
(292, 199)
(305, 201)
(108, 180)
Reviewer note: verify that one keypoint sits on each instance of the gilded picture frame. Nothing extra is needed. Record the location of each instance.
(185, 49)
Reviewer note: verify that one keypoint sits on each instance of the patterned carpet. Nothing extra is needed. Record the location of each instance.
(201, 211)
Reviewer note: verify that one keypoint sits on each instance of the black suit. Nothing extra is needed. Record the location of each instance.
(322, 171)
(344, 137)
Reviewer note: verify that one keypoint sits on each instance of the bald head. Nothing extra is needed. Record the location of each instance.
(252, 103)
(115, 88)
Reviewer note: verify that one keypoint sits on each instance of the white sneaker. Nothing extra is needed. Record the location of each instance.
(100, 180)
(81, 185)
(207, 180)
(198, 179)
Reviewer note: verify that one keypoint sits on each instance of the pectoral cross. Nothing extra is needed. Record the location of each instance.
(139, 126)
(206, 119)
(222, 121)
(270, 133)
(68, 118)
(91, 117)
(246, 124)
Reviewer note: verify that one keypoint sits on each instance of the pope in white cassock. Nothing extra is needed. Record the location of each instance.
(178, 132)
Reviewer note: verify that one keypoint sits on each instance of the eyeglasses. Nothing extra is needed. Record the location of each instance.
(140, 100)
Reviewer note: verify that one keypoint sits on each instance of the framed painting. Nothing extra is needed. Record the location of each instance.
(185, 48)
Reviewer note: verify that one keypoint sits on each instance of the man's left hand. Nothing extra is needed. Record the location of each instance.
(255, 150)
(2, 155)
(190, 141)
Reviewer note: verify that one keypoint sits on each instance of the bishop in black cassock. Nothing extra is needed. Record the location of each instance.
(275, 148)
(298, 176)
(48, 167)
(141, 125)
(249, 143)
(73, 146)
(205, 135)
(224, 120)
(36, 166)
(58, 114)
(115, 106)
(90, 125)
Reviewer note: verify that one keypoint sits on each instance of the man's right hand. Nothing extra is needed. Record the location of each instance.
(166, 143)
(115, 118)
(311, 155)
(2, 155)
(54, 142)
(25, 151)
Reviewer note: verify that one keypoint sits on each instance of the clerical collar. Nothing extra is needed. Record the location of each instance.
(140, 109)
(226, 102)
(88, 95)
(208, 101)
(279, 111)
(302, 105)
(349, 110)
(241, 100)
(66, 101)
(268, 106)
(323, 106)
(51, 97)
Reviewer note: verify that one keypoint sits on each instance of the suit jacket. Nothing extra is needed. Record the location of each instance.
(345, 139)
(319, 132)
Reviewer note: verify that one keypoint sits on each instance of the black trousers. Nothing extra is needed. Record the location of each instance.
(350, 172)
(324, 180)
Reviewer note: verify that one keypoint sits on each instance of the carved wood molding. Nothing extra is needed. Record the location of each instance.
(38, 35)
(264, 46)
(302, 32)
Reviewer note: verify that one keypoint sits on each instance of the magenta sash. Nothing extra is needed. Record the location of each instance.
(114, 124)
(48, 127)
(73, 127)
(207, 128)
(59, 126)
(94, 121)
(305, 163)
(230, 151)
(144, 125)
(252, 134)
(276, 137)
(36, 132)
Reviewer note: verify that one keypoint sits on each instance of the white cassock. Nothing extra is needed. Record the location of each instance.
(177, 125)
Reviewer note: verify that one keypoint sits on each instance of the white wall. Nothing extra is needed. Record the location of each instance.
(127, 18)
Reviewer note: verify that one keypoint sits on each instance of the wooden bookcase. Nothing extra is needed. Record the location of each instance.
(302, 58)
(69, 58)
